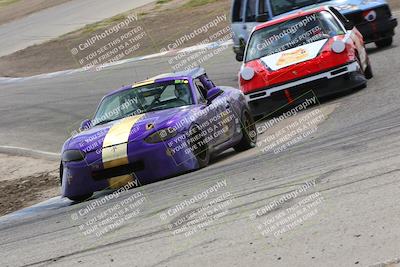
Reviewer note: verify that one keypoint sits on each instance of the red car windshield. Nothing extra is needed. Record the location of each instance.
(291, 34)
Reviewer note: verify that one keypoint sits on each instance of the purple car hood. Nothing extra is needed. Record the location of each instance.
(133, 128)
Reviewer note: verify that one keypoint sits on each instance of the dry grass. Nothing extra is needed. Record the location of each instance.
(160, 30)
(394, 4)
(14, 9)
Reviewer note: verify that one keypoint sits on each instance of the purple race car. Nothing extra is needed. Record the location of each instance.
(158, 128)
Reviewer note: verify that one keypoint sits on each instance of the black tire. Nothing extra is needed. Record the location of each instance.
(61, 172)
(239, 57)
(363, 72)
(199, 148)
(384, 43)
(259, 117)
(249, 131)
(368, 71)
(80, 198)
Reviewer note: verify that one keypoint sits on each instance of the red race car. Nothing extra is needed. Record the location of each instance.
(317, 51)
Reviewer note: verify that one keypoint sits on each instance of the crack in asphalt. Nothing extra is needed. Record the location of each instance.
(107, 245)
(177, 255)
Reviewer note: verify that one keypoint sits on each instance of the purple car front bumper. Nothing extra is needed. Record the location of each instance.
(146, 162)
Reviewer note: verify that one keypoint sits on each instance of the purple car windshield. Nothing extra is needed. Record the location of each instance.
(142, 99)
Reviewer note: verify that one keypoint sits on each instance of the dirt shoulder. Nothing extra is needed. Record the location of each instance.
(160, 25)
(25, 181)
(395, 4)
(22, 8)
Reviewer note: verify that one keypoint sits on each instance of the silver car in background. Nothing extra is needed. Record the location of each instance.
(244, 18)
(373, 18)
(246, 14)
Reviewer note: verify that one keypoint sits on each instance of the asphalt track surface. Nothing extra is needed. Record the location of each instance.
(55, 21)
(354, 158)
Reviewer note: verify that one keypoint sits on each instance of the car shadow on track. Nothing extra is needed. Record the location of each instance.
(213, 161)
(321, 100)
(223, 156)
(371, 49)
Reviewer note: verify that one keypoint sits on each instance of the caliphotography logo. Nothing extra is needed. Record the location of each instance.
(199, 133)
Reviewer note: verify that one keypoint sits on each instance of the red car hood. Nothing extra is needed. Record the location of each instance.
(294, 64)
(294, 56)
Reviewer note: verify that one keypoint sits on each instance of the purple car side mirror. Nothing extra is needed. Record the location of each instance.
(213, 94)
(86, 124)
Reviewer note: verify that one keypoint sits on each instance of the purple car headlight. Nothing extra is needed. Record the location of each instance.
(161, 135)
(72, 155)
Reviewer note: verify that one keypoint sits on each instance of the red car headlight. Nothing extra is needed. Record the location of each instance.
(338, 46)
(247, 73)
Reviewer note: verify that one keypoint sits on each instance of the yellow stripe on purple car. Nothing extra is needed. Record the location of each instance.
(147, 82)
(115, 144)
(120, 181)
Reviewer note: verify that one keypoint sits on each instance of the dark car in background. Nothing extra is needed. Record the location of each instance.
(373, 18)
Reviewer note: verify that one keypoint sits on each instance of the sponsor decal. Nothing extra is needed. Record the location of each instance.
(370, 15)
(292, 57)
(149, 126)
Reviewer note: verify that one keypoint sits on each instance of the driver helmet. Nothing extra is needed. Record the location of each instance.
(181, 92)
